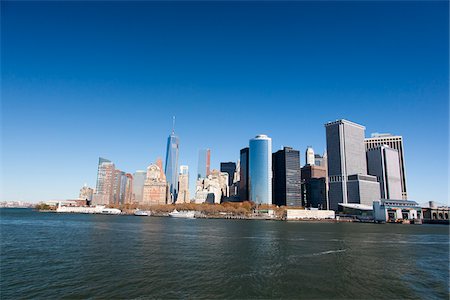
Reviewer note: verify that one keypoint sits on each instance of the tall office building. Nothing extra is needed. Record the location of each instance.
(204, 163)
(286, 177)
(309, 156)
(260, 169)
(347, 169)
(314, 186)
(138, 185)
(171, 169)
(128, 189)
(395, 142)
(383, 162)
(230, 168)
(243, 174)
(155, 187)
(183, 185)
(105, 182)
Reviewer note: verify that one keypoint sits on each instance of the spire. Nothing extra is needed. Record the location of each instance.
(173, 125)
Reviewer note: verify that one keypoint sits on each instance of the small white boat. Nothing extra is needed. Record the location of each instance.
(182, 214)
(111, 211)
(141, 213)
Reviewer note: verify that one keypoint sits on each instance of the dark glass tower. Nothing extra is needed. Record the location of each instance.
(171, 168)
(286, 177)
(243, 179)
(230, 168)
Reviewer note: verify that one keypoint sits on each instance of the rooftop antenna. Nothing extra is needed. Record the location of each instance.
(173, 125)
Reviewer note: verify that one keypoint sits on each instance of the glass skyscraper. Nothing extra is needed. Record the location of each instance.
(204, 163)
(171, 169)
(260, 167)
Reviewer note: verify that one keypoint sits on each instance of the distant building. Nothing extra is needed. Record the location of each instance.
(286, 177)
(204, 163)
(155, 188)
(389, 210)
(138, 186)
(260, 169)
(86, 193)
(309, 156)
(230, 168)
(435, 214)
(383, 162)
(395, 142)
(129, 189)
(117, 186)
(171, 169)
(347, 158)
(212, 189)
(183, 185)
(105, 182)
(243, 176)
(314, 186)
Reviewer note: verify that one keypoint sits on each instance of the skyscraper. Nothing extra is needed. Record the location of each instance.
(204, 163)
(286, 177)
(243, 174)
(171, 168)
(105, 182)
(347, 169)
(395, 142)
(128, 189)
(309, 156)
(183, 185)
(260, 169)
(230, 168)
(138, 185)
(155, 186)
(383, 162)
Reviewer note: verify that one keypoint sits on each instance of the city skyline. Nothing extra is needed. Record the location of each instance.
(71, 102)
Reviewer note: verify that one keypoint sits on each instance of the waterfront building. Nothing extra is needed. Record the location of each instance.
(309, 156)
(204, 163)
(395, 142)
(171, 169)
(129, 189)
(435, 214)
(383, 162)
(117, 185)
(105, 182)
(183, 185)
(314, 186)
(138, 186)
(260, 169)
(347, 168)
(389, 210)
(156, 189)
(230, 168)
(86, 193)
(286, 177)
(213, 188)
(243, 174)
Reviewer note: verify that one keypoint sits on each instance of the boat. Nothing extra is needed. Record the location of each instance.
(182, 214)
(141, 213)
(111, 211)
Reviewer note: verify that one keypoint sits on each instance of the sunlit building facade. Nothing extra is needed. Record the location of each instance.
(260, 169)
(171, 169)
(204, 163)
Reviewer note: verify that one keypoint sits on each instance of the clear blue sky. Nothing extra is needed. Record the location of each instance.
(87, 79)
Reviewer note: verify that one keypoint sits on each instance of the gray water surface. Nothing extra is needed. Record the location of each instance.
(48, 255)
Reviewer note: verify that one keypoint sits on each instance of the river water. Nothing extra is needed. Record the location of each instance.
(48, 255)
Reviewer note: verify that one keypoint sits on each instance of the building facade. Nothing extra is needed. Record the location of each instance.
(395, 142)
(183, 185)
(105, 182)
(243, 174)
(86, 193)
(309, 156)
(346, 157)
(138, 186)
(171, 168)
(230, 169)
(156, 189)
(204, 163)
(314, 186)
(286, 177)
(260, 169)
(383, 162)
